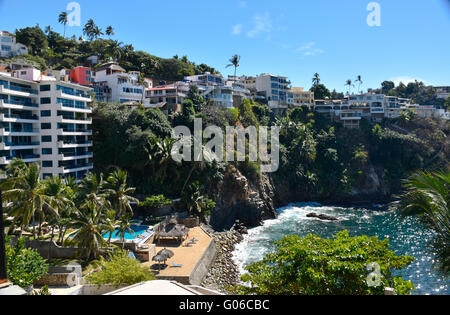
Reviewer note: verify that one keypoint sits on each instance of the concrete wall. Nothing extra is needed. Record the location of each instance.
(92, 289)
(201, 269)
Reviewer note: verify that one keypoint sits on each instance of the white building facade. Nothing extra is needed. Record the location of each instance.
(8, 46)
(47, 121)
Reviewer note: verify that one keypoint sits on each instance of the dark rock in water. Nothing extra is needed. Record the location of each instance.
(322, 217)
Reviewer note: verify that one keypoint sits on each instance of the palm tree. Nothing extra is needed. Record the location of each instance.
(119, 194)
(111, 224)
(360, 82)
(349, 84)
(109, 31)
(124, 227)
(234, 62)
(115, 49)
(90, 189)
(89, 29)
(316, 79)
(62, 19)
(27, 196)
(89, 234)
(48, 29)
(428, 195)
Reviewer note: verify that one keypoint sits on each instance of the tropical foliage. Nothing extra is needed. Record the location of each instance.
(428, 195)
(312, 265)
(119, 269)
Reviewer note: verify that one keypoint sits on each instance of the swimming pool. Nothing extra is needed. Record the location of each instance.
(137, 229)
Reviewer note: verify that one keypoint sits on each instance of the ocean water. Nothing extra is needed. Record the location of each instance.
(406, 237)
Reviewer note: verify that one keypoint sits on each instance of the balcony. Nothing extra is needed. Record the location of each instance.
(73, 132)
(19, 118)
(73, 144)
(18, 105)
(15, 132)
(76, 109)
(5, 160)
(77, 168)
(74, 156)
(11, 89)
(19, 145)
(73, 120)
(73, 96)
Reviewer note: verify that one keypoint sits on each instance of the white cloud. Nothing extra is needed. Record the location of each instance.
(237, 29)
(261, 24)
(406, 80)
(309, 49)
(243, 4)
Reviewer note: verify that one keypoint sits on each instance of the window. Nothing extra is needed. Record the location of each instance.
(47, 175)
(46, 151)
(46, 100)
(46, 126)
(46, 113)
(44, 88)
(46, 138)
(64, 102)
(47, 163)
(6, 48)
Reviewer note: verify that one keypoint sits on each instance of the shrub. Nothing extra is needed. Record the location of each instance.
(24, 265)
(119, 270)
(317, 266)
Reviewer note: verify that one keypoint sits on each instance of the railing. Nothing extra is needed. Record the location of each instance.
(72, 167)
(33, 117)
(29, 104)
(20, 89)
(19, 144)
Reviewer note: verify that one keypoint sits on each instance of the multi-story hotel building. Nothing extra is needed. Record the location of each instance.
(297, 96)
(274, 88)
(114, 84)
(45, 120)
(8, 46)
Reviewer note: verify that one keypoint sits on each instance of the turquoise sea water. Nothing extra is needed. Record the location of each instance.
(406, 236)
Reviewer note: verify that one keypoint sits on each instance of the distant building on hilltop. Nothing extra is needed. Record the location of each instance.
(8, 46)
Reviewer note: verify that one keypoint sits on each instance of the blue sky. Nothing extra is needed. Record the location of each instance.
(294, 38)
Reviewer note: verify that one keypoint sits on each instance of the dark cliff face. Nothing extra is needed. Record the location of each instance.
(250, 202)
(253, 201)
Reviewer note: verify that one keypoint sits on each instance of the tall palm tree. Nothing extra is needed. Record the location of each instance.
(90, 189)
(124, 227)
(111, 224)
(109, 31)
(118, 192)
(90, 228)
(428, 195)
(349, 84)
(89, 29)
(63, 19)
(115, 49)
(48, 29)
(234, 62)
(316, 79)
(360, 82)
(27, 196)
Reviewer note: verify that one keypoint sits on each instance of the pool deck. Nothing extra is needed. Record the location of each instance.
(189, 257)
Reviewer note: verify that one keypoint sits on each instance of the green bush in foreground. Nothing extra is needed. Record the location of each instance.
(119, 270)
(317, 266)
(24, 265)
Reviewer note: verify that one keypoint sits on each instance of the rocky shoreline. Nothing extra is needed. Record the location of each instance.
(224, 273)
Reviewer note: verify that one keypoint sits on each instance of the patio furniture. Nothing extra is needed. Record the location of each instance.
(176, 265)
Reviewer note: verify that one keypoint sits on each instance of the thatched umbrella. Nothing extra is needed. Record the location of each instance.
(166, 253)
(159, 259)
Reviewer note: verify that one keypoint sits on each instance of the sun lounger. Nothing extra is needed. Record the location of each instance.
(176, 265)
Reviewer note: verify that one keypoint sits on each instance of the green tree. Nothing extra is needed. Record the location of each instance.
(34, 38)
(62, 19)
(349, 84)
(24, 266)
(26, 193)
(316, 79)
(118, 192)
(387, 86)
(428, 195)
(196, 203)
(120, 269)
(90, 223)
(317, 266)
(320, 92)
(109, 31)
(234, 62)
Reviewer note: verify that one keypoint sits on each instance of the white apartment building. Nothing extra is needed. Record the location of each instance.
(442, 92)
(47, 121)
(8, 46)
(224, 93)
(274, 88)
(114, 84)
